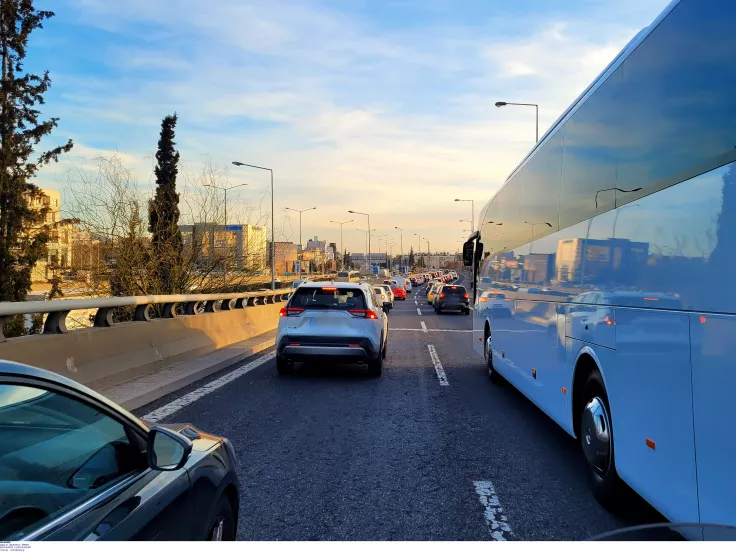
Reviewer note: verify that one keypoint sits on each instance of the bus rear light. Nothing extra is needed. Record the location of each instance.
(651, 444)
(608, 321)
(651, 299)
(354, 346)
(564, 390)
(703, 319)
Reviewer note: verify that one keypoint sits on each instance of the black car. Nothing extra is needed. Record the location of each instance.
(452, 298)
(75, 466)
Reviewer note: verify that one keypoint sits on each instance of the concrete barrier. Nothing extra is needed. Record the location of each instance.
(104, 356)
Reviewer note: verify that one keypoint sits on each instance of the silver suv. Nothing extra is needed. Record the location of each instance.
(332, 321)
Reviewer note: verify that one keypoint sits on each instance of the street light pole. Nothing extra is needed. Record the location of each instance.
(536, 107)
(300, 234)
(472, 217)
(273, 236)
(225, 189)
(369, 235)
(419, 251)
(428, 253)
(401, 232)
(342, 253)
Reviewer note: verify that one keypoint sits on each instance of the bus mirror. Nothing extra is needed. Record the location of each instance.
(468, 253)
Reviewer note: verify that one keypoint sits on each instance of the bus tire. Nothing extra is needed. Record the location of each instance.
(494, 376)
(596, 439)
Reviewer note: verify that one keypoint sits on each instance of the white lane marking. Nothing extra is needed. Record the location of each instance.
(496, 520)
(427, 330)
(419, 311)
(521, 331)
(424, 326)
(438, 366)
(416, 302)
(174, 406)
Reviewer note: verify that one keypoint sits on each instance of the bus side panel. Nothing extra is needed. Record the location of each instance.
(650, 393)
(714, 389)
(542, 359)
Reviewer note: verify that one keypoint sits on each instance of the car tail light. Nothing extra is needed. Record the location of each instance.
(442, 295)
(482, 299)
(467, 296)
(291, 311)
(363, 313)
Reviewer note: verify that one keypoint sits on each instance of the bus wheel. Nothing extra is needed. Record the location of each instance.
(596, 438)
(488, 355)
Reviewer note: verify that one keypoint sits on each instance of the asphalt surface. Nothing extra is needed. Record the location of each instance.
(329, 453)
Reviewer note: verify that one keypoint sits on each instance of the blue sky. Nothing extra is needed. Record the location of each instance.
(379, 106)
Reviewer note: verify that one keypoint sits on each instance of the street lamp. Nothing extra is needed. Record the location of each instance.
(535, 106)
(425, 239)
(273, 236)
(419, 251)
(300, 211)
(225, 189)
(472, 207)
(366, 232)
(342, 253)
(369, 235)
(616, 189)
(379, 244)
(533, 224)
(401, 232)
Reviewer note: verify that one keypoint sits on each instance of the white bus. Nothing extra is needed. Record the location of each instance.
(614, 244)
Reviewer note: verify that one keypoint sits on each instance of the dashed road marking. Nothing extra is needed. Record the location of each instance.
(424, 327)
(427, 330)
(438, 366)
(497, 521)
(419, 311)
(174, 406)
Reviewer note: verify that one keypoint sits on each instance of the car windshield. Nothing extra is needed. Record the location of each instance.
(328, 297)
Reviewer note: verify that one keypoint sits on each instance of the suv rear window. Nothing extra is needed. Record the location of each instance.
(453, 290)
(328, 298)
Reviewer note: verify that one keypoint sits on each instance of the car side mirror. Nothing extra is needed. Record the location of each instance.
(167, 449)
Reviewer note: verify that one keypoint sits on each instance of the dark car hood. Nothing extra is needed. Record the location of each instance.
(202, 441)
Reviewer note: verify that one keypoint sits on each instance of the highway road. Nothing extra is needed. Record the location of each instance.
(432, 450)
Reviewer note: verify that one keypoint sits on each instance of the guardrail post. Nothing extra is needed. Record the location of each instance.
(190, 308)
(55, 323)
(251, 301)
(169, 310)
(268, 299)
(239, 303)
(260, 300)
(226, 304)
(210, 306)
(142, 313)
(103, 317)
(285, 296)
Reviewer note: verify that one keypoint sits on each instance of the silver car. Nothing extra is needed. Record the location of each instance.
(332, 321)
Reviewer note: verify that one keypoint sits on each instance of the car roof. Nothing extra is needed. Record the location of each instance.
(339, 285)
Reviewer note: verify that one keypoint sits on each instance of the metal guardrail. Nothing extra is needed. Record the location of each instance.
(57, 310)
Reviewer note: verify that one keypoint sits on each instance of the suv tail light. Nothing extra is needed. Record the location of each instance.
(442, 295)
(467, 296)
(364, 313)
(291, 311)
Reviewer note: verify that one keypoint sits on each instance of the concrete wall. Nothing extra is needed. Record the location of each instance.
(101, 357)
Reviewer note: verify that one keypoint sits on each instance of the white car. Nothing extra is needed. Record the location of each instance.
(332, 322)
(390, 292)
(383, 298)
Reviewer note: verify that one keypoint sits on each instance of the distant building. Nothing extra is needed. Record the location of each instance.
(241, 247)
(286, 257)
(59, 248)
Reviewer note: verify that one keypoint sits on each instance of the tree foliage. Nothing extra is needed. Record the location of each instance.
(22, 233)
(163, 214)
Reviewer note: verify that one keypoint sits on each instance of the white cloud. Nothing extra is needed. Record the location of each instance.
(397, 122)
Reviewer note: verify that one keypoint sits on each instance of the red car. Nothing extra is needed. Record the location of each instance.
(399, 291)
